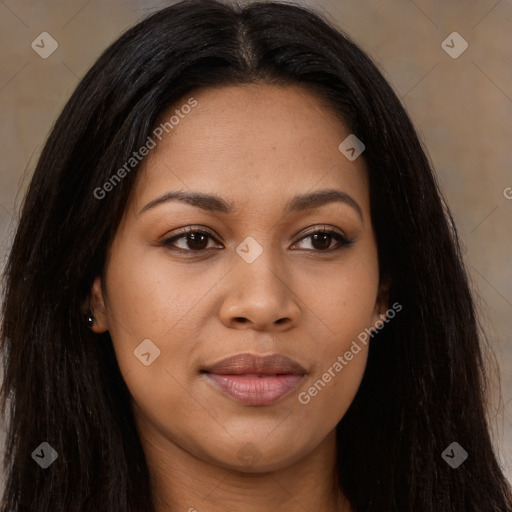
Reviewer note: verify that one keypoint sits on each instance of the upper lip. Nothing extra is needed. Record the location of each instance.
(241, 364)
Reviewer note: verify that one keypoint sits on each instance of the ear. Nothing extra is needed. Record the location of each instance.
(97, 307)
(382, 302)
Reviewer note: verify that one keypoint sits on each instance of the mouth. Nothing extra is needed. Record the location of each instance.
(255, 380)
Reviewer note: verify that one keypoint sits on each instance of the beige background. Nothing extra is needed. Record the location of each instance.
(462, 108)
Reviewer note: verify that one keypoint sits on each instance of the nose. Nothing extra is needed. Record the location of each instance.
(259, 297)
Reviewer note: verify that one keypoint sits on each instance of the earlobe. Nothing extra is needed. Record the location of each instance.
(97, 314)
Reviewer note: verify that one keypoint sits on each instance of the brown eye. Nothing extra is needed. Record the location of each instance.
(197, 241)
(321, 240)
(190, 240)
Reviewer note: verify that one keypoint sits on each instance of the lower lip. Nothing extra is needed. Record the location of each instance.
(251, 390)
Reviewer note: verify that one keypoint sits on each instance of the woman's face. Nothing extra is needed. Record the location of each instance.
(252, 281)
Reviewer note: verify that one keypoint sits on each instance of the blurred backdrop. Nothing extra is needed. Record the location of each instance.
(450, 61)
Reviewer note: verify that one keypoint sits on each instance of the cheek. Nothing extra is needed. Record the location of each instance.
(342, 301)
(344, 308)
(150, 298)
(328, 394)
(152, 309)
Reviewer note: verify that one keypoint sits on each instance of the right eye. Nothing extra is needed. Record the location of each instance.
(193, 240)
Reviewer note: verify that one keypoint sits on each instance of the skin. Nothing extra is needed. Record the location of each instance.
(256, 146)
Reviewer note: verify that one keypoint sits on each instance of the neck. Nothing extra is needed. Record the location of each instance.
(184, 482)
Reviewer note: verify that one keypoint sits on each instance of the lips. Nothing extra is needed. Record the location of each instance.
(246, 364)
(255, 380)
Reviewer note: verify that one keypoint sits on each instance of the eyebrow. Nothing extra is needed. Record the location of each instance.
(299, 203)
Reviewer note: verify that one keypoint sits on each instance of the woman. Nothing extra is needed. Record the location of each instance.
(235, 284)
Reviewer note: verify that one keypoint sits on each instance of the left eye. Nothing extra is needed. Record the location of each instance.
(198, 240)
(323, 238)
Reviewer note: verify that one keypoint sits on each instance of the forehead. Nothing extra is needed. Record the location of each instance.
(255, 144)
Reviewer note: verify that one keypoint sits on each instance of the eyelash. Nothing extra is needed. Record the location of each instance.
(342, 240)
